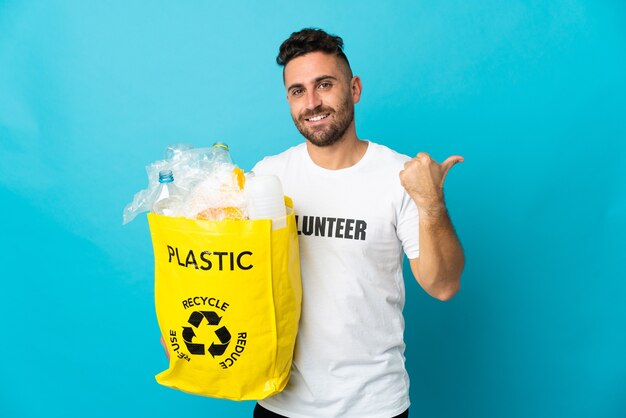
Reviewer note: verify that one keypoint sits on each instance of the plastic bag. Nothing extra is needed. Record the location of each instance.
(228, 300)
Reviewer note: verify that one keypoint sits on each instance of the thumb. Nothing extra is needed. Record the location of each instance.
(448, 163)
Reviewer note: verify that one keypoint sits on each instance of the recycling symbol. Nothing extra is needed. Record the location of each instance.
(212, 319)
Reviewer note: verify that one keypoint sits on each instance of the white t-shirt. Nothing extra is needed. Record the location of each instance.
(353, 226)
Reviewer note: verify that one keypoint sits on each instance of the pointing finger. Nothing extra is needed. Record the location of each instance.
(449, 162)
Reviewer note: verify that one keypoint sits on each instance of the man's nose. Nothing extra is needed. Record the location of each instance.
(313, 99)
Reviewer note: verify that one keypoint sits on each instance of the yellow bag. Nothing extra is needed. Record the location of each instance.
(227, 298)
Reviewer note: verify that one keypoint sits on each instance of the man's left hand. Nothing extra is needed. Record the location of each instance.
(423, 179)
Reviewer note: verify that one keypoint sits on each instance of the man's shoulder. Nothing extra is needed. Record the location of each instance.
(277, 162)
(385, 154)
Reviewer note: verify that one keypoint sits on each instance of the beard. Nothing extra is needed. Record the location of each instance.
(331, 132)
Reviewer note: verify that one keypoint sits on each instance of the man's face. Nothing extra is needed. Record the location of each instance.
(321, 96)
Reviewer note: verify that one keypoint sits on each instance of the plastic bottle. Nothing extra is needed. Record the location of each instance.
(169, 196)
(264, 195)
(221, 154)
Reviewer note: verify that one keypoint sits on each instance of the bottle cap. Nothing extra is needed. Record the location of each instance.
(166, 176)
(220, 145)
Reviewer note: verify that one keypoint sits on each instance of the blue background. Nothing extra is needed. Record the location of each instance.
(531, 93)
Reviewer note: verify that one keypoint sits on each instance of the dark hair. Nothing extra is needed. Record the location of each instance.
(310, 40)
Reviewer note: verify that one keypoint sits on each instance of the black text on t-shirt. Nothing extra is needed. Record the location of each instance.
(322, 226)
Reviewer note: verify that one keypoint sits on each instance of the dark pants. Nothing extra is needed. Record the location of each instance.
(260, 412)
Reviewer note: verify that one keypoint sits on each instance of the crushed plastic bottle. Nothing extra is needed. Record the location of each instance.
(221, 154)
(208, 185)
(169, 197)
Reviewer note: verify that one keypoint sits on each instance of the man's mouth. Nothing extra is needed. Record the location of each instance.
(317, 118)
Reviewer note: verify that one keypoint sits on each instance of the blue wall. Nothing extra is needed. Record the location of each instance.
(531, 93)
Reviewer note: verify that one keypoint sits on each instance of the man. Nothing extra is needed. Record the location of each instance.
(359, 205)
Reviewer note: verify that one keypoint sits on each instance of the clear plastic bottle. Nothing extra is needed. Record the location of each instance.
(169, 196)
(264, 195)
(220, 153)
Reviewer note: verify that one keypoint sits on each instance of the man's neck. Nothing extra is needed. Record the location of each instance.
(342, 154)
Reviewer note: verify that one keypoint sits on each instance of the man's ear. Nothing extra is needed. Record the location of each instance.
(356, 87)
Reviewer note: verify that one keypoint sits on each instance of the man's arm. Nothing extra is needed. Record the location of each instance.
(440, 264)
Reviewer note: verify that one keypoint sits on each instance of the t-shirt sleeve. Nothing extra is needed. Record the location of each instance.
(408, 226)
(264, 167)
(258, 167)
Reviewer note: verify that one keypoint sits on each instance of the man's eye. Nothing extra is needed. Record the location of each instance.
(325, 85)
(296, 92)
